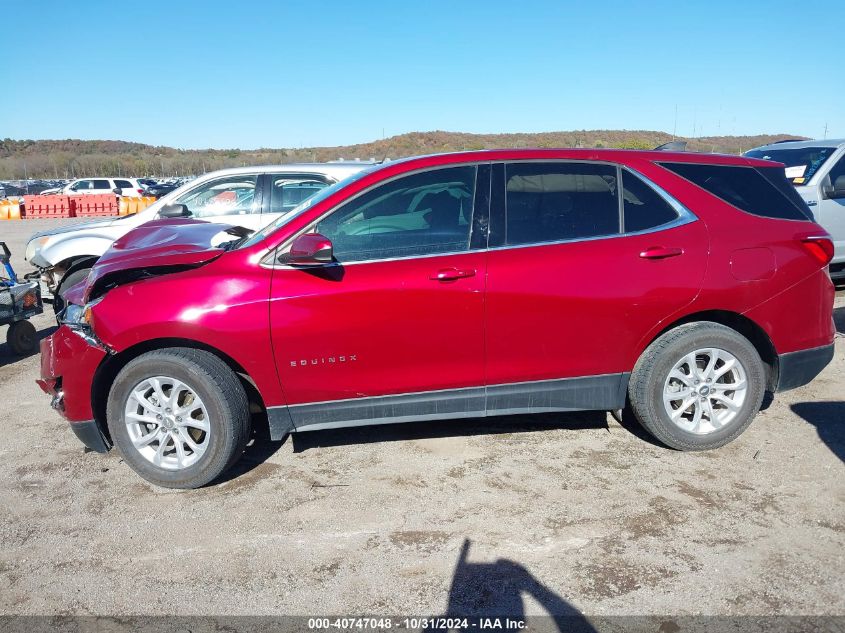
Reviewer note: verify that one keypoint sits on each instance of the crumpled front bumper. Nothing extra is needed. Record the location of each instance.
(69, 360)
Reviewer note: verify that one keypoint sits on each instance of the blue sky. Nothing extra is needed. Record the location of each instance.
(292, 73)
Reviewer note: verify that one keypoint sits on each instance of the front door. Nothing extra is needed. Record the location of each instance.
(572, 287)
(392, 331)
(233, 199)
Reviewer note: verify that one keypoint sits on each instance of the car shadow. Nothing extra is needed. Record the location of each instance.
(448, 428)
(495, 590)
(839, 319)
(829, 419)
(261, 447)
(7, 357)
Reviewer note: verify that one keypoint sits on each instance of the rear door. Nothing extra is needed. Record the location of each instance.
(101, 186)
(392, 331)
(285, 191)
(578, 273)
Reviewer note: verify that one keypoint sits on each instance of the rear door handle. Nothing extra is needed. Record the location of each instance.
(451, 274)
(660, 252)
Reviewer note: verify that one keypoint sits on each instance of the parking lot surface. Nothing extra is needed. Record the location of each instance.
(550, 513)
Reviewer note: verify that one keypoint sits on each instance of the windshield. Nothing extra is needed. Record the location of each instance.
(306, 204)
(801, 163)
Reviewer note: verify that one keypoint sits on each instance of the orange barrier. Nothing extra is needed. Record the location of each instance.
(95, 205)
(47, 207)
(129, 205)
(82, 206)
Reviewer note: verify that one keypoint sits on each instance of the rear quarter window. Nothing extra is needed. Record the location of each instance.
(761, 191)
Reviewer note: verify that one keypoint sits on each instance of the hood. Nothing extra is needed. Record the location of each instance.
(75, 227)
(156, 248)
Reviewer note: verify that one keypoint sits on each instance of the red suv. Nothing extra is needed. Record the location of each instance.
(680, 285)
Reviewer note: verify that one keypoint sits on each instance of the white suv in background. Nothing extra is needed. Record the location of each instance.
(249, 197)
(817, 170)
(90, 186)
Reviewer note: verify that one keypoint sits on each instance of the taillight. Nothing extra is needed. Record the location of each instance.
(140, 190)
(820, 247)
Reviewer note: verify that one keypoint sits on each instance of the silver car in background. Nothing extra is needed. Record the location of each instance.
(250, 197)
(817, 170)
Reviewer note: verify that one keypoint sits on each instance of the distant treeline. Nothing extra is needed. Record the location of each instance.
(73, 158)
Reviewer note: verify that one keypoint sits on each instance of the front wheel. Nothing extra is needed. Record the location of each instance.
(697, 386)
(180, 417)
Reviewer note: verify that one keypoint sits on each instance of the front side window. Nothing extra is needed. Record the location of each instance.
(82, 185)
(289, 191)
(837, 173)
(642, 207)
(425, 213)
(552, 202)
(234, 195)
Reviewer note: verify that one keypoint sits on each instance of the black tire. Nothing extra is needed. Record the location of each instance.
(645, 390)
(67, 282)
(22, 338)
(221, 392)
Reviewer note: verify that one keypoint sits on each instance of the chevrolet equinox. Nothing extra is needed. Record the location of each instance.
(680, 286)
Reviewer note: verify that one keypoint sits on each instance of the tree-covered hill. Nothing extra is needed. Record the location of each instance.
(73, 158)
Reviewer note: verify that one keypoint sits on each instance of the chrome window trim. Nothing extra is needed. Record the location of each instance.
(685, 216)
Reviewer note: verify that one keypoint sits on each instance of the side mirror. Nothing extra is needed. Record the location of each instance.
(174, 210)
(310, 249)
(835, 191)
(117, 191)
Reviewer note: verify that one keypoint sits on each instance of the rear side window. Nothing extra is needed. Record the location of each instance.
(552, 202)
(643, 207)
(123, 184)
(290, 191)
(762, 191)
(101, 184)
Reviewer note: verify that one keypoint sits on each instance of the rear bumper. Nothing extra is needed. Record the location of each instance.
(69, 361)
(798, 368)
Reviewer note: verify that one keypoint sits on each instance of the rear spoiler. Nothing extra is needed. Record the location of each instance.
(672, 146)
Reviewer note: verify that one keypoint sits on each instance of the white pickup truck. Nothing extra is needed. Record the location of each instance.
(817, 170)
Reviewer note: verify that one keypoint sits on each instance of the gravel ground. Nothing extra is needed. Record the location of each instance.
(554, 512)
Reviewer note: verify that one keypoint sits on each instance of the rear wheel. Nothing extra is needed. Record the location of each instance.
(22, 338)
(180, 417)
(67, 282)
(698, 386)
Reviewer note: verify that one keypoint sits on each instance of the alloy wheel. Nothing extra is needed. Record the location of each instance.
(705, 390)
(167, 422)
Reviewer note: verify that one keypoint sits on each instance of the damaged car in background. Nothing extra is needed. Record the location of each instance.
(250, 197)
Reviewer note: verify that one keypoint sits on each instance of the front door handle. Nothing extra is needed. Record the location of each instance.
(660, 252)
(451, 274)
